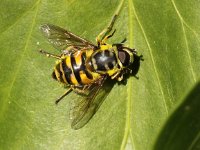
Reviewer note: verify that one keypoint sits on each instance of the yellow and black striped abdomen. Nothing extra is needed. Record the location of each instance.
(72, 70)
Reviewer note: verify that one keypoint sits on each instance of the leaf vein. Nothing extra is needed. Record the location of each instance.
(20, 60)
(194, 141)
(21, 17)
(152, 59)
(183, 21)
(185, 37)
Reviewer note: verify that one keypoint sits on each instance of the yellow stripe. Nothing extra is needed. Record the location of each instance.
(78, 58)
(72, 77)
(57, 74)
(84, 78)
(63, 74)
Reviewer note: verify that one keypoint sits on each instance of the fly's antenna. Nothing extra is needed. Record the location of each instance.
(49, 54)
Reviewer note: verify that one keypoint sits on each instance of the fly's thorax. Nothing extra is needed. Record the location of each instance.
(104, 61)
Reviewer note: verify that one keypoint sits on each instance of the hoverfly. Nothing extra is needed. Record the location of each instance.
(83, 67)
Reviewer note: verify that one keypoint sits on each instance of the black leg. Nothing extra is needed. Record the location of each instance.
(106, 31)
(65, 94)
(49, 54)
(123, 41)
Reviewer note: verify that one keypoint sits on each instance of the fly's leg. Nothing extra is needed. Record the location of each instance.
(62, 96)
(107, 37)
(49, 54)
(109, 28)
(123, 41)
(106, 31)
(141, 57)
(78, 89)
(82, 90)
(118, 75)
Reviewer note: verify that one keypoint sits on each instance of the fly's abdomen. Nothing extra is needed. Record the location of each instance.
(72, 70)
(62, 71)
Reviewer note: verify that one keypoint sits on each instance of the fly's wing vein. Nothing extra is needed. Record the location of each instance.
(61, 38)
(82, 110)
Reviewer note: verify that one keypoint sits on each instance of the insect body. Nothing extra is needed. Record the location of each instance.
(74, 69)
(83, 67)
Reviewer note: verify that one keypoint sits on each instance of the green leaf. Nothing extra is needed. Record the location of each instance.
(133, 116)
(182, 129)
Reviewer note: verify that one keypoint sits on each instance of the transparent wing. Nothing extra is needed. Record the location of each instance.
(83, 109)
(61, 38)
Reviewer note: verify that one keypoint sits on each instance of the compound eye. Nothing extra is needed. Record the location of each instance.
(124, 57)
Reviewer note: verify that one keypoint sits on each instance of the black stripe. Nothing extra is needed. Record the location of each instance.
(107, 53)
(101, 67)
(83, 58)
(54, 75)
(110, 65)
(100, 64)
(67, 71)
(76, 69)
(59, 71)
